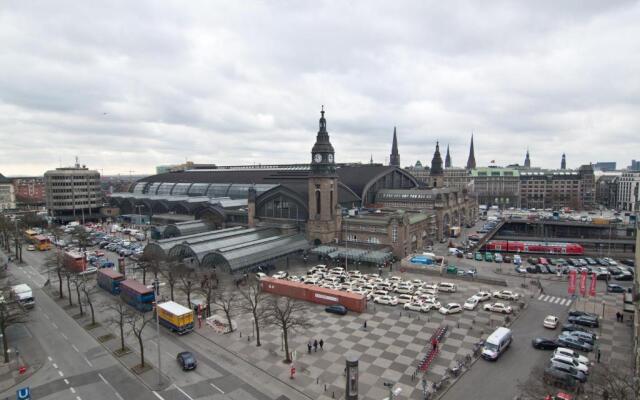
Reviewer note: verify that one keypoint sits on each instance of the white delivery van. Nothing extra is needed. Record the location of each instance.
(23, 294)
(496, 343)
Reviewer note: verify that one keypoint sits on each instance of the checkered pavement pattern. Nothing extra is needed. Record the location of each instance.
(389, 349)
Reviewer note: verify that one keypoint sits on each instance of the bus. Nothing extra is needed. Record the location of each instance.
(42, 242)
(30, 235)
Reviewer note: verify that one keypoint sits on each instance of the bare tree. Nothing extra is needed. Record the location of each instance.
(122, 313)
(77, 283)
(88, 293)
(186, 277)
(172, 279)
(289, 315)
(208, 284)
(144, 266)
(54, 261)
(227, 302)
(254, 303)
(137, 322)
(67, 276)
(11, 313)
(82, 236)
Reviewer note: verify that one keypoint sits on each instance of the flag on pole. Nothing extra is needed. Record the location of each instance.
(592, 288)
(583, 283)
(572, 281)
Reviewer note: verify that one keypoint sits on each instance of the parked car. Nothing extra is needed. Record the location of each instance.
(281, 275)
(577, 313)
(478, 256)
(336, 309)
(447, 287)
(187, 360)
(573, 343)
(624, 276)
(585, 337)
(506, 295)
(559, 358)
(415, 306)
(482, 295)
(471, 303)
(584, 321)
(571, 353)
(450, 308)
(574, 372)
(389, 300)
(550, 321)
(498, 307)
(615, 288)
(541, 343)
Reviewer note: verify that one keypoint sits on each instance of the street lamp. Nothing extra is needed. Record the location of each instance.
(603, 304)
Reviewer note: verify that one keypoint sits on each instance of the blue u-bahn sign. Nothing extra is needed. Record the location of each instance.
(24, 394)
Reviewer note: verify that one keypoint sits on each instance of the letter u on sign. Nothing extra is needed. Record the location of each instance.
(24, 394)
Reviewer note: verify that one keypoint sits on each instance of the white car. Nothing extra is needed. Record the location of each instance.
(404, 289)
(559, 358)
(405, 298)
(31, 247)
(425, 296)
(414, 306)
(550, 321)
(280, 275)
(417, 282)
(471, 303)
(389, 300)
(506, 295)
(380, 293)
(429, 290)
(571, 353)
(498, 307)
(430, 286)
(482, 296)
(432, 303)
(450, 308)
(447, 287)
(395, 279)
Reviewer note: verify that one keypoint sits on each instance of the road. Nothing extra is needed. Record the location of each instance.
(76, 367)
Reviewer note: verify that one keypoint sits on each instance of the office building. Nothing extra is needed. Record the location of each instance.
(73, 193)
(629, 191)
(604, 166)
(7, 194)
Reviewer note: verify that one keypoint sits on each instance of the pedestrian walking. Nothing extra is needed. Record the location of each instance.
(365, 325)
(309, 346)
(598, 356)
(618, 316)
(315, 345)
(321, 343)
(434, 344)
(621, 317)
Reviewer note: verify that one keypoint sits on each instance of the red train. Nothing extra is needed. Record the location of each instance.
(573, 249)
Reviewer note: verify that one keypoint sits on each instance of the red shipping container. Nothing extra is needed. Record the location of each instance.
(314, 294)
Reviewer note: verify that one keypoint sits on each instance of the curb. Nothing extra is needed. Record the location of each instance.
(253, 365)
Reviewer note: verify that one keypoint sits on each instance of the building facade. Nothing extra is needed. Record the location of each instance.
(495, 186)
(557, 188)
(420, 172)
(458, 178)
(629, 191)
(29, 190)
(7, 194)
(404, 232)
(607, 191)
(605, 166)
(73, 193)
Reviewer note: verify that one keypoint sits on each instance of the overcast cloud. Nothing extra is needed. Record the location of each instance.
(128, 85)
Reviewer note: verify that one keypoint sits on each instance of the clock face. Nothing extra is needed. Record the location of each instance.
(317, 157)
(330, 158)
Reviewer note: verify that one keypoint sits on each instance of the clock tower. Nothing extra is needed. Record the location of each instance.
(325, 217)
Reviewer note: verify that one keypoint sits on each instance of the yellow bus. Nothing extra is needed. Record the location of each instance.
(42, 242)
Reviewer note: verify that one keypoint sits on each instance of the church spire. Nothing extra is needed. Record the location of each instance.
(394, 158)
(527, 160)
(563, 163)
(447, 159)
(436, 162)
(471, 161)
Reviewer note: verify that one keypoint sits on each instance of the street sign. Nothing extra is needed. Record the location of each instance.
(23, 394)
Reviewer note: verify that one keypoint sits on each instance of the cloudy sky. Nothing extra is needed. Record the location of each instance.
(128, 85)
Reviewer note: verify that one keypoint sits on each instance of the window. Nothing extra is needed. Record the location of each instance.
(394, 234)
(318, 202)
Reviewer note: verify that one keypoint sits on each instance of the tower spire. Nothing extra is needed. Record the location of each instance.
(394, 157)
(471, 161)
(527, 160)
(447, 159)
(563, 163)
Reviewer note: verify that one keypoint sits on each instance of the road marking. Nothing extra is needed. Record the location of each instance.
(546, 298)
(50, 359)
(66, 381)
(158, 396)
(88, 362)
(46, 316)
(217, 388)
(60, 373)
(169, 354)
(183, 392)
(72, 390)
(64, 336)
(558, 301)
(55, 365)
(106, 382)
(54, 325)
(75, 348)
(540, 297)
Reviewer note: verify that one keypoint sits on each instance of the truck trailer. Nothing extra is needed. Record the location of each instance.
(137, 295)
(175, 317)
(109, 280)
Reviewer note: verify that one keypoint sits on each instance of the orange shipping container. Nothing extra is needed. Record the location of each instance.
(315, 294)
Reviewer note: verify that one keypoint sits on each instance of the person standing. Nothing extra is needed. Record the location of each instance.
(315, 345)
(309, 346)
(598, 359)
(321, 343)
(434, 344)
(365, 325)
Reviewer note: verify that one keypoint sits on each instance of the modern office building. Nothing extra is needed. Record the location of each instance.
(629, 191)
(73, 193)
(7, 194)
(635, 166)
(605, 166)
(557, 188)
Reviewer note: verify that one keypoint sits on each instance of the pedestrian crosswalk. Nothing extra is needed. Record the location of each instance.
(561, 301)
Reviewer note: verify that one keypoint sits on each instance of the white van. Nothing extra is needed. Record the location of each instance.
(496, 344)
(447, 287)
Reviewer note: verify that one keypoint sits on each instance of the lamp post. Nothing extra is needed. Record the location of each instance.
(156, 285)
(603, 304)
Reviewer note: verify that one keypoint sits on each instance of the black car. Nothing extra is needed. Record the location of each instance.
(541, 269)
(591, 261)
(531, 269)
(574, 328)
(336, 309)
(602, 262)
(551, 269)
(187, 360)
(615, 288)
(624, 276)
(532, 261)
(573, 343)
(541, 343)
(576, 313)
(585, 337)
(613, 270)
(629, 262)
(584, 321)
